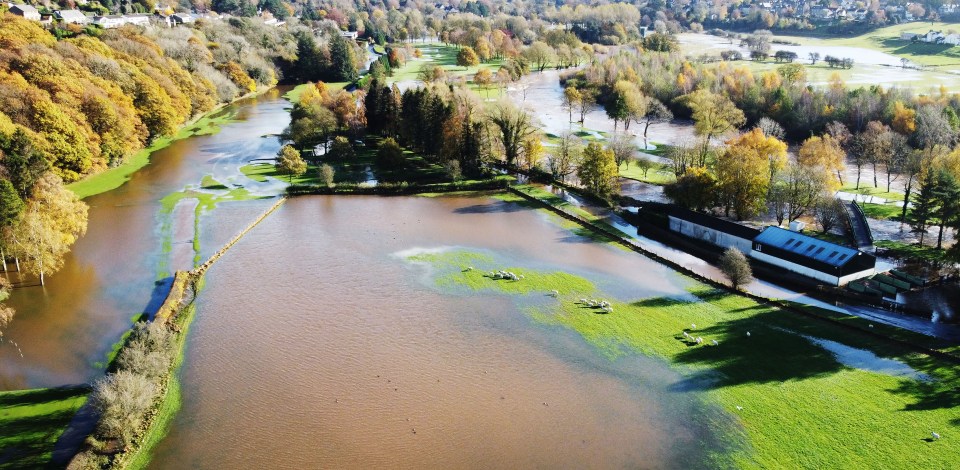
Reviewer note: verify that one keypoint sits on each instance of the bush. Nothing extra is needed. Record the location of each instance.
(390, 154)
(735, 266)
(123, 399)
(149, 352)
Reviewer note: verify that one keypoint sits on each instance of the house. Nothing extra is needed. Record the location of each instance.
(952, 39)
(824, 261)
(349, 34)
(26, 11)
(712, 230)
(909, 36)
(182, 18)
(932, 37)
(116, 21)
(72, 16)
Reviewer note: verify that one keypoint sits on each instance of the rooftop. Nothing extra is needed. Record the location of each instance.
(807, 246)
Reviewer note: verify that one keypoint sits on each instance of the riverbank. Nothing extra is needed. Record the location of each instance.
(204, 124)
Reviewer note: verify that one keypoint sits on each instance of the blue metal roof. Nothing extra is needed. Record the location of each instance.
(806, 246)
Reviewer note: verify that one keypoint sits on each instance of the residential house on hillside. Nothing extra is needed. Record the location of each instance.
(26, 11)
(116, 21)
(72, 16)
(182, 18)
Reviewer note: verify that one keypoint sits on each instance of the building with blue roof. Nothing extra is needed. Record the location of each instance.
(824, 261)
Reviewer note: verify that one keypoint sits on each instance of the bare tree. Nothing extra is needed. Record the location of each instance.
(735, 266)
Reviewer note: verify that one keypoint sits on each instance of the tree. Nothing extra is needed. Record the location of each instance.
(515, 126)
(735, 266)
(483, 79)
(343, 63)
(822, 154)
(695, 189)
(644, 164)
(829, 213)
(390, 154)
(290, 163)
(814, 57)
(540, 54)
(122, 399)
(467, 57)
(341, 149)
(744, 171)
(914, 165)
(656, 112)
(326, 175)
(904, 119)
(598, 171)
(661, 43)
(925, 204)
(770, 128)
(565, 157)
(587, 103)
(713, 115)
(947, 194)
(49, 225)
(571, 96)
(874, 147)
(623, 149)
(6, 313)
(626, 103)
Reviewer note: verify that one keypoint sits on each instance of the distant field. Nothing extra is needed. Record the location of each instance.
(876, 56)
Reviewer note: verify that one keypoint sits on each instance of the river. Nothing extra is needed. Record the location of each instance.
(67, 328)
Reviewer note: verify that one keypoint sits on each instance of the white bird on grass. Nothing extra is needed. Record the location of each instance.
(739, 408)
(748, 334)
(935, 435)
(715, 343)
(693, 326)
(699, 340)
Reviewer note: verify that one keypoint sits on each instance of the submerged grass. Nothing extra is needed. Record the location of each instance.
(800, 406)
(31, 421)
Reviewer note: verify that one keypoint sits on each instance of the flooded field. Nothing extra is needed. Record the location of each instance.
(316, 328)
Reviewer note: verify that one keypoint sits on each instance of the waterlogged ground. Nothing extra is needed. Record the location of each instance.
(359, 332)
(792, 391)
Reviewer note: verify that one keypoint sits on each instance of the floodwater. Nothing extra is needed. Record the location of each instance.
(316, 345)
(67, 327)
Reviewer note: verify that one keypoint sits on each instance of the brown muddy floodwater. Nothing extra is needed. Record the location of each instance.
(67, 327)
(317, 346)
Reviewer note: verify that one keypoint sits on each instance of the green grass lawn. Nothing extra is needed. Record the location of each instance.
(801, 406)
(914, 251)
(888, 40)
(881, 211)
(31, 421)
(445, 56)
(872, 191)
(660, 174)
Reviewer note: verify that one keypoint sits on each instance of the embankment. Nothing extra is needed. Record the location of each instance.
(176, 313)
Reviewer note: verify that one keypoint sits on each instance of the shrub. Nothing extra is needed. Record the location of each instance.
(735, 266)
(123, 399)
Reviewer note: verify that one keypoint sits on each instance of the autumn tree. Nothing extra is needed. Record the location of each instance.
(539, 54)
(822, 154)
(326, 175)
(713, 115)
(735, 267)
(290, 163)
(571, 97)
(695, 189)
(743, 171)
(467, 57)
(626, 104)
(483, 79)
(341, 149)
(514, 125)
(565, 156)
(53, 219)
(598, 171)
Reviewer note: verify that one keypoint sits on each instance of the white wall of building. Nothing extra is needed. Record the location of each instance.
(818, 275)
(709, 235)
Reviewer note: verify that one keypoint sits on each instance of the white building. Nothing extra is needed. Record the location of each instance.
(26, 11)
(72, 16)
(824, 261)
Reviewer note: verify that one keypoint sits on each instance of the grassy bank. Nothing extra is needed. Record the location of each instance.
(113, 178)
(31, 421)
(800, 405)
